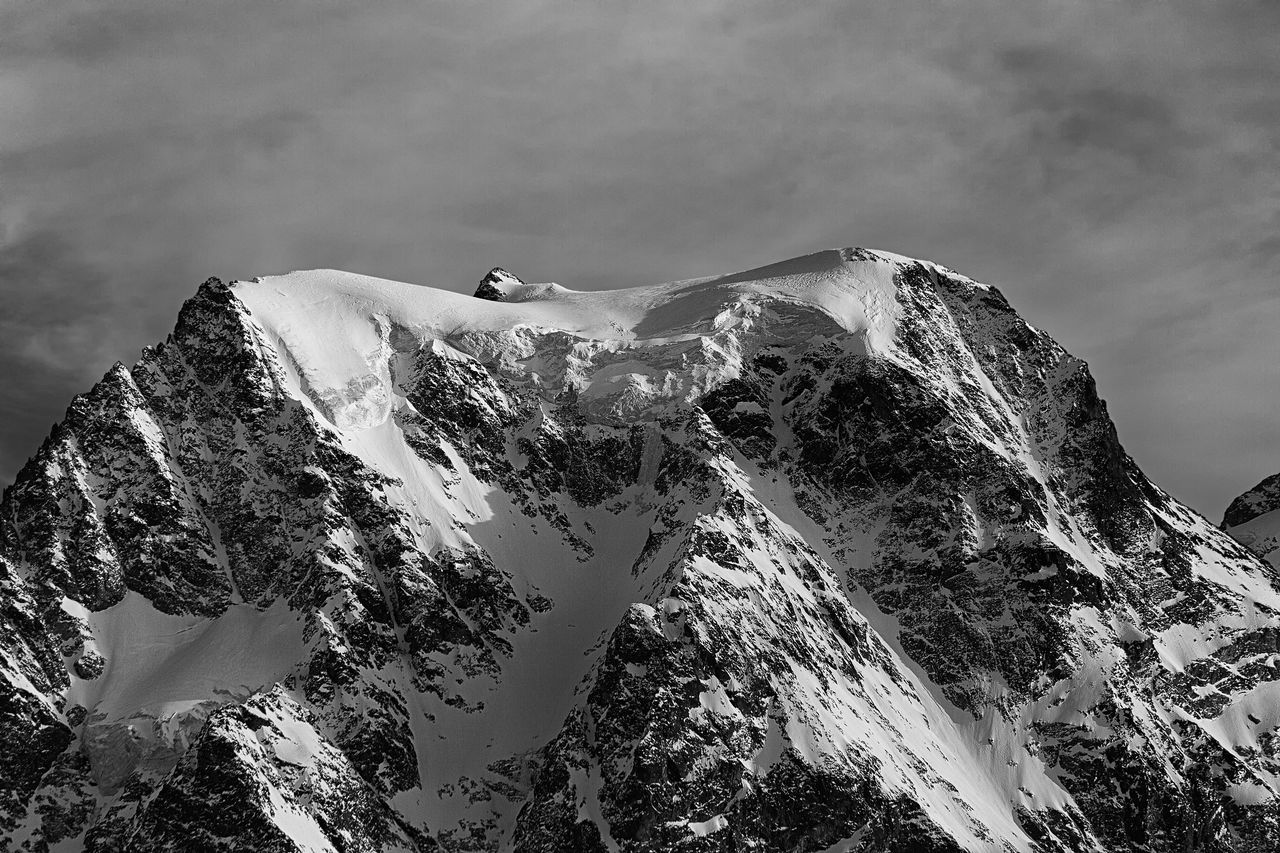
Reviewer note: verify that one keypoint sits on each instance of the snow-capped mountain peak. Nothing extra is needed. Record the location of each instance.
(833, 554)
(497, 285)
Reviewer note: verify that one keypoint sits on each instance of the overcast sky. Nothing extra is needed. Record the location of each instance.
(1112, 167)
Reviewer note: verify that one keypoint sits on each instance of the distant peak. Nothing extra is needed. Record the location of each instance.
(498, 274)
(496, 286)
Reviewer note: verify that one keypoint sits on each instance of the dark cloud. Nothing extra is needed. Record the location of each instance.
(91, 36)
(55, 310)
(1110, 166)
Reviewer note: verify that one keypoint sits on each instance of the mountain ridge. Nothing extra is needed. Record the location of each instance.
(1253, 519)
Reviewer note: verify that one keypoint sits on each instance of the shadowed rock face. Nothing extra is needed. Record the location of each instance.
(489, 292)
(1260, 500)
(834, 554)
(491, 286)
(1253, 519)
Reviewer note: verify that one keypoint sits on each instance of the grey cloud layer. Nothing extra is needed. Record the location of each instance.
(1110, 166)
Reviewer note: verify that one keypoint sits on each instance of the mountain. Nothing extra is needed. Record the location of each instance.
(838, 554)
(499, 286)
(1254, 519)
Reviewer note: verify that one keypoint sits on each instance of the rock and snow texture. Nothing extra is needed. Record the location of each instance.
(499, 286)
(836, 554)
(1254, 519)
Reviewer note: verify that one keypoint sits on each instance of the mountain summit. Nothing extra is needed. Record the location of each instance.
(837, 554)
(497, 285)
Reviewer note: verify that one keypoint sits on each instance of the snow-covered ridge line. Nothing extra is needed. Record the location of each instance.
(833, 280)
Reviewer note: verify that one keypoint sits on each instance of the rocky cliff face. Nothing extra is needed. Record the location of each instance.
(838, 554)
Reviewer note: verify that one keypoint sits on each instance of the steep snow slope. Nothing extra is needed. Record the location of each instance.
(834, 554)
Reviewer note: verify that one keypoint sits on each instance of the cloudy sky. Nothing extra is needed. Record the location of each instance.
(1112, 167)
